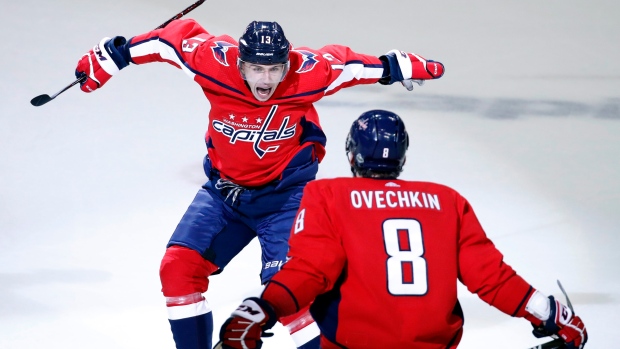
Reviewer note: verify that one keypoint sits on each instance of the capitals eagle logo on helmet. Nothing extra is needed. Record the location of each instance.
(308, 61)
(362, 124)
(219, 49)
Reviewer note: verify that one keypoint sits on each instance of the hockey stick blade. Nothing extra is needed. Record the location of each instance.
(554, 344)
(42, 99)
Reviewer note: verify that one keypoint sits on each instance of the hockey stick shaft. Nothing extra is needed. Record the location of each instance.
(182, 13)
(554, 344)
(570, 305)
(42, 99)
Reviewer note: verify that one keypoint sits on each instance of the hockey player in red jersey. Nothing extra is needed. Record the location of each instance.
(380, 259)
(264, 142)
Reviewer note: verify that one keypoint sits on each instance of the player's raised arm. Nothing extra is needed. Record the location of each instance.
(110, 55)
(349, 68)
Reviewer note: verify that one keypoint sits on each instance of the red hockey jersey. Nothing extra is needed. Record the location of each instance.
(384, 256)
(251, 142)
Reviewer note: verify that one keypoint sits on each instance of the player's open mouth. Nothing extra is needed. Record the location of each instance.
(263, 92)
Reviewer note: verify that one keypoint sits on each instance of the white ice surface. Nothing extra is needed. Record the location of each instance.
(525, 124)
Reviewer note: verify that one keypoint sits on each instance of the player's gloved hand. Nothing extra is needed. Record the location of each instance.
(246, 326)
(408, 68)
(100, 63)
(563, 323)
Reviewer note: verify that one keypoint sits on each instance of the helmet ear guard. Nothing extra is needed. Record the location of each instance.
(377, 144)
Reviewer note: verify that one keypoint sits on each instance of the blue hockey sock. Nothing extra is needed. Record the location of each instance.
(193, 332)
(312, 344)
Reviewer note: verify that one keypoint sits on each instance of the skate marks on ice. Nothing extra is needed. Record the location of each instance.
(593, 298)
(496, 108)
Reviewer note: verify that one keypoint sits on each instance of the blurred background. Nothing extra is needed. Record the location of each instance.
(525, 124)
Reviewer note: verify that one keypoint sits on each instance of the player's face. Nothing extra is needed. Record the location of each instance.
(262, 79)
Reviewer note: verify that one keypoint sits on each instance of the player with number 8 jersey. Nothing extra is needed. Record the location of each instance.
(390, 251)
(379, 259)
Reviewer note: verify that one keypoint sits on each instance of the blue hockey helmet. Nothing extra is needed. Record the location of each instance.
(377, 143)
(264, 43)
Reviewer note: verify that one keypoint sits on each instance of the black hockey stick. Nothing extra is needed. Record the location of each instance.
(42, 99)
(182, 13)
(554, 344)
(557, 343)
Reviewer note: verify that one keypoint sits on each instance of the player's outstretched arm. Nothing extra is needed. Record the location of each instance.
(408, 68)
(557, 319)
(245, 327)
(100, 63)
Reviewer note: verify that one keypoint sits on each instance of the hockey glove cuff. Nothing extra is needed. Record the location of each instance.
(100, 63)
(558, 319)
(408, 68)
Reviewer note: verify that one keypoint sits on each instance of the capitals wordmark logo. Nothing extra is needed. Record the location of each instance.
(258, 137)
